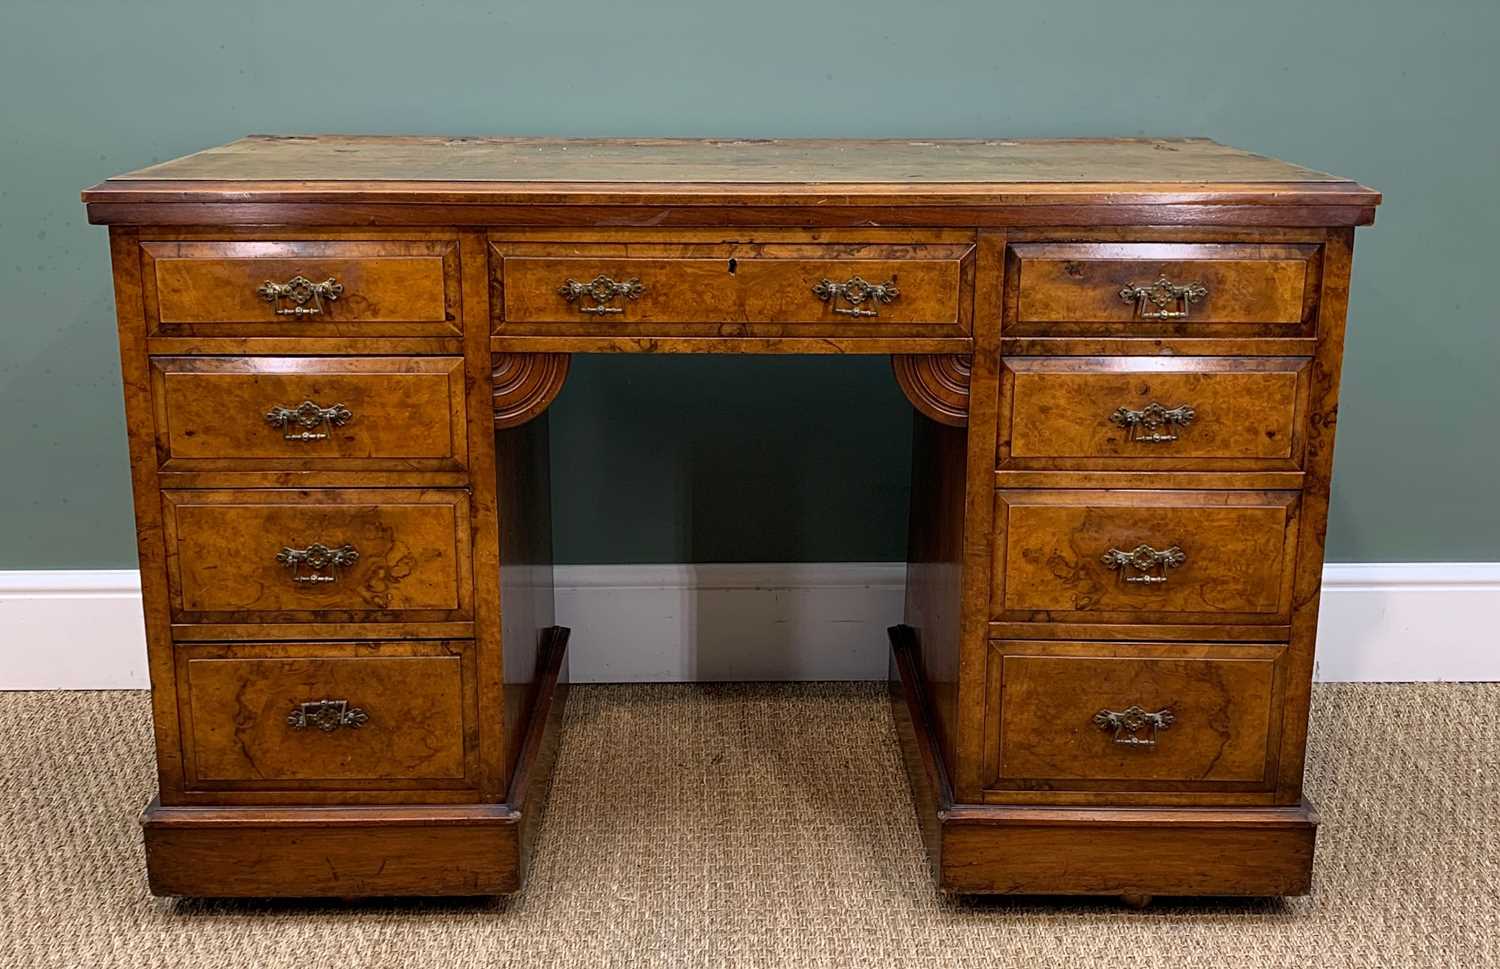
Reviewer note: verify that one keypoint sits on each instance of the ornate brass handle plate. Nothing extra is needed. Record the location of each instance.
(856, 292)
(302, 423)
(1134, 726)
(1150, 563)
(1170, 299)
(326, 715)
(321, 561)
(1154, 423)
(603, 291)
(299, 291)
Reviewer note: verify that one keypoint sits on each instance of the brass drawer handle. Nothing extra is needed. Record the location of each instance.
(326, 715)
(307, 416)
(323, 561)
(1154, 423)
(602, 290)
(300, 291)
(1128, 725)
(1164, 295)
(1152, 564)
(855, 291)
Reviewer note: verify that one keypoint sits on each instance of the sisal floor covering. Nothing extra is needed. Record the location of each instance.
(767, 825)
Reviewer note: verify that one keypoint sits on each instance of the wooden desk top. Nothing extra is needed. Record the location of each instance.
(360, 168)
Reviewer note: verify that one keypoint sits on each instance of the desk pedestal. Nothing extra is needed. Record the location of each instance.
(1131, 852)
(351, 852)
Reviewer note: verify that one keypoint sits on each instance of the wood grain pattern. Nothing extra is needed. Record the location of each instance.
(977, 465)
(1089, 850)
(1308, 576)
(1269, 852)
(1158, 345)
(935, 596)
(922, 754)
(523, 488)
(1224, 700)
(135, 373)
(484, 520)
(413, 549)
(1010, 337)
(358, 850)
(1134, 632)
(732, 343)
(525, 384)
(732, 289)
(683, 172)
(1249, 413)
(1152, 480)
(346, 852)
(1062, 283)
(168, 205)
(1074, 289)
(1239, 549)
(389, 288)
(531, 777)
(421, 730)
(936, 384)
(229, 632)
(402, 412)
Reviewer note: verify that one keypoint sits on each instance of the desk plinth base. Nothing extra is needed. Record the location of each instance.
(353, 852)
(1133, 853)
(333, 852)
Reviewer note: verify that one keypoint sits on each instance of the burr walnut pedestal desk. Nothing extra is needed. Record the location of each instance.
(1123, 357)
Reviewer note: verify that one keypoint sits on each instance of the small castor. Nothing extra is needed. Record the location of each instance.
(1134, 900)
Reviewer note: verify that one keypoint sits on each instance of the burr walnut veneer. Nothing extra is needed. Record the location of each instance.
(1124, 360)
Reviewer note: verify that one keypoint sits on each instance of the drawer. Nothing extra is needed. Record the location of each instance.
(1153, 289)
(1133, 716)
(320, 715)
(733, 289)
(292, 288)
(1153, 413)
(323, 555)
(1144, 556)
(264, 413)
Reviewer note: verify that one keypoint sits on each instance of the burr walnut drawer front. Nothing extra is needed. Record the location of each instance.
(328, 555)
(255, 413)
(733, 289)
(1152, 289)
(302, 287)
(1156, 413)
(1133, 716)
(1144, 556)
(321, 715)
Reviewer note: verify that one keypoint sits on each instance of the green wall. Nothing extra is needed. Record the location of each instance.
(711, 459)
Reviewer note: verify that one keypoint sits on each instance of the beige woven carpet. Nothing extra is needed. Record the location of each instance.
(767, 826)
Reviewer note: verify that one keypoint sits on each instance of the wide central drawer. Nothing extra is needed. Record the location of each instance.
(257, 413)
(319, 715)
(1144, 556)
(1156, 413)
(700, 289)
(318, 555)
(1133, 716)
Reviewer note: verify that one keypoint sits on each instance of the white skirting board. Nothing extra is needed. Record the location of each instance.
(81, 630)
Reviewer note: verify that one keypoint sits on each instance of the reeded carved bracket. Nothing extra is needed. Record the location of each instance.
(525, 383)
(936, 384)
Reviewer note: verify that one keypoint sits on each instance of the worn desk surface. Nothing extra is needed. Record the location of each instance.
(681, 171)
